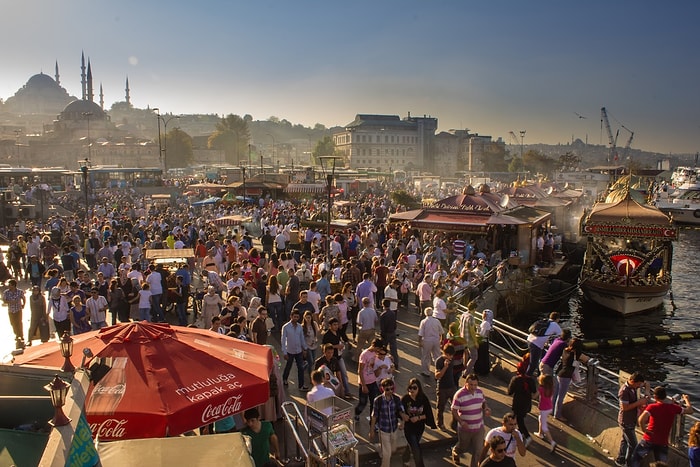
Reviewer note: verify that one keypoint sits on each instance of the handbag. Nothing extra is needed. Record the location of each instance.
(576, 375)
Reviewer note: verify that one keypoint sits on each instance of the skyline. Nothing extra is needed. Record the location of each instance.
(489, 68)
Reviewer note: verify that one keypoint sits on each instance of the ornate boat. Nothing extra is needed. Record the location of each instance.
(627, 266)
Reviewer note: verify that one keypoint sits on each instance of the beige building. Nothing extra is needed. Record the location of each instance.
(386, 142)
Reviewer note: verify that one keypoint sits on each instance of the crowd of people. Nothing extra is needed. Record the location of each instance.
(324, 303)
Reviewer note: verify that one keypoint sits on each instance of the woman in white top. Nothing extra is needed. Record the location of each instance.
(440, 307)
(211, 303)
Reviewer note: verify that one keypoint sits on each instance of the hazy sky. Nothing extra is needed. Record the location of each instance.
(490, 66)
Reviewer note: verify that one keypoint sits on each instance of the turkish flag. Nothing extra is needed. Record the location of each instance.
(625, 264)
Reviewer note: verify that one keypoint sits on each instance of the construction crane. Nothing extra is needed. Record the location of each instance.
(612, 141)
(514, 138)
(626, 150)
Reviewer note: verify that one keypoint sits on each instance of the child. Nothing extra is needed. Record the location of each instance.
(546, 390)
(144, 300)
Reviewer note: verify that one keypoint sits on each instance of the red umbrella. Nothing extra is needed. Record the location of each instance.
(165, 380)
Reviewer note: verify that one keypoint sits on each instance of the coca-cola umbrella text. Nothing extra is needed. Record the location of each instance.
(164, 381)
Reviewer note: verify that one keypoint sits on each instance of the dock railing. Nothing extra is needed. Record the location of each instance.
(599, 385)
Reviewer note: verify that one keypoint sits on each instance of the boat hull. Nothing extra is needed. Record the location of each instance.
(686, 216)
(625, 300)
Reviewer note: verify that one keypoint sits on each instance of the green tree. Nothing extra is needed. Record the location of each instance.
(324, 148)
(569, 161)
(537, 162)
(179, 148)
(494, 158)
(405, 199)
(516, 165)
(232, 136)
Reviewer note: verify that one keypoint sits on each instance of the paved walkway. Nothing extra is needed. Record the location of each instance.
(574, 448)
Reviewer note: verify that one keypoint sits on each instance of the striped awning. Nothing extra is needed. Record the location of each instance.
(306, 188)
(227, 221)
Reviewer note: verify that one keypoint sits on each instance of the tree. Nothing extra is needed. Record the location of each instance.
(537, 162)
(179, 148)
(569, 161)
(325, 148)
(494, 158)
(403, 198)
(516, 165)
(231, 136)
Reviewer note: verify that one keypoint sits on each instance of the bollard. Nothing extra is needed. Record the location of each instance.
(592, 380)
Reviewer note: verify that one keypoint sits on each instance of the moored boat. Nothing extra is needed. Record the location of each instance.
(627, 266)
(685, 209)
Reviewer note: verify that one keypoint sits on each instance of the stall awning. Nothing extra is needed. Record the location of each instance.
(317, 188)
(227, 221)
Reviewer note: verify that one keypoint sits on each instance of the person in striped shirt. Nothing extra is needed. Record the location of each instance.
(469, 407)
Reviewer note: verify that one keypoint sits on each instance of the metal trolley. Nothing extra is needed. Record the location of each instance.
(330, 430)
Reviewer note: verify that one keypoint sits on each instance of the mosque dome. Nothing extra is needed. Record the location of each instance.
(40, 81)
(79, 108)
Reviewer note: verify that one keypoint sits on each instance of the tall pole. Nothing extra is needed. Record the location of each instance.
(272, 159)
(329, 187)
(244, 190)
(165, 141)
(522, 140)
(160, 144)
(84, 167)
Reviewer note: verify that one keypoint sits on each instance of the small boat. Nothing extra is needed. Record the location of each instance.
(627, 265)
(685, 209)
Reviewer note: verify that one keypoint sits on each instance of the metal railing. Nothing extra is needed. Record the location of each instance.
(598, 384)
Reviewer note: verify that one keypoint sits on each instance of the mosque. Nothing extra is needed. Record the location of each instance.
(42, 124)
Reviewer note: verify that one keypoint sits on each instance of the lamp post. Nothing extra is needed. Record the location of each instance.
(244, 190)
(84, 167)
(522, 139)
(58, 390)
(329, 188)
(163, 144)
(66, 345)
(272, 160)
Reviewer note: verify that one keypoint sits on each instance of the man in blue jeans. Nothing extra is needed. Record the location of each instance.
(627, 416)
(294, 348)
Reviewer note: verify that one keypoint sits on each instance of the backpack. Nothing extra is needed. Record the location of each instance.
(539, 327)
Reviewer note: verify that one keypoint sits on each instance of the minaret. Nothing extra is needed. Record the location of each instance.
(102, 98)
(127, 97)
(83, 80)
(58, 77)
(90, 95)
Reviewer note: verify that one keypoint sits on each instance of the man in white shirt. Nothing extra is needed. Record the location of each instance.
(367, 321)
(430, 334)
(319, 391)
(391, 293)
(97, 307)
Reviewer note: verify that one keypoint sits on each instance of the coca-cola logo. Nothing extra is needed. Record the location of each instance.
(116, 389)
(110, 428)
(231, 406)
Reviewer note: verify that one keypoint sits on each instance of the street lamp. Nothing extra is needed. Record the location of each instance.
(66, 345)
(272, 160)
(87, 115)
(329, 188)
(84, 168)
(163, 144)
(244, 190)
(58, 389)
(522, 139)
